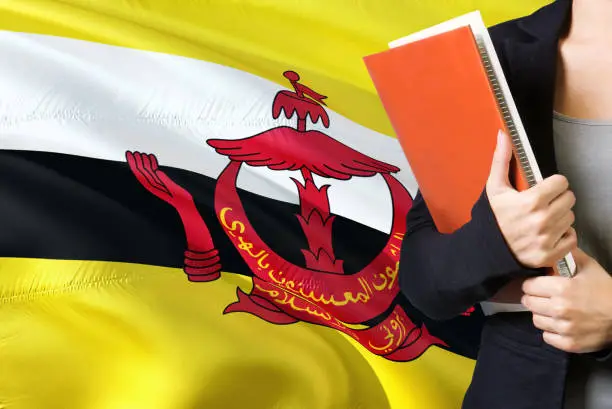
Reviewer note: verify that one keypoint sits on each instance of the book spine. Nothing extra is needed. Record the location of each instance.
(563, 266)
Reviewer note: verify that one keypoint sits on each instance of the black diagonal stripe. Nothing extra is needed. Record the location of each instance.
(59, 206)
(69, 207)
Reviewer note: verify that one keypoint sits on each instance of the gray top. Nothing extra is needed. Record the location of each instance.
(583, 150)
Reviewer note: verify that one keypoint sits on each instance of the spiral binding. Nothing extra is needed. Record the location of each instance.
(525, 166)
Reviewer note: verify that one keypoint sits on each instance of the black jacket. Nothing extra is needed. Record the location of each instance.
(443, 275)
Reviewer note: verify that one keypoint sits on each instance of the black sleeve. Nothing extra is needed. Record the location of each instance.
(605, 355)
(443, 275)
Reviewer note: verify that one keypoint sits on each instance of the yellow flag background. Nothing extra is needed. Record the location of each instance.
(133, 337)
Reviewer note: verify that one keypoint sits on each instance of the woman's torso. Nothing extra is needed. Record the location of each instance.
(583, 152)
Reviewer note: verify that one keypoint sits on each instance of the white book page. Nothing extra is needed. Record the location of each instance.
(473, 19)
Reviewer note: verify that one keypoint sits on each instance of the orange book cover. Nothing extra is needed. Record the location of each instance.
(446, 114)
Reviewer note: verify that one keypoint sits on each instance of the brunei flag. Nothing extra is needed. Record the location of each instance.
(202, 205)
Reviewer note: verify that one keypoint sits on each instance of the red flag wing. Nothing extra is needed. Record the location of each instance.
(285, 148)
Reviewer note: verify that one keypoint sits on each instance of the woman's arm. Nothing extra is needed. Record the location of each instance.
(511, 234)
(444, 274)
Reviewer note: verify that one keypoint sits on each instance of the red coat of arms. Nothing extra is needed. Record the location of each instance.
(319, 292)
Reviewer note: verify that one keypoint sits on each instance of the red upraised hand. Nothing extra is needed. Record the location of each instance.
(146, 169)
(202, 262)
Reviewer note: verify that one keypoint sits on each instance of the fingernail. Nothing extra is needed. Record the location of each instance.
(500, 136)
